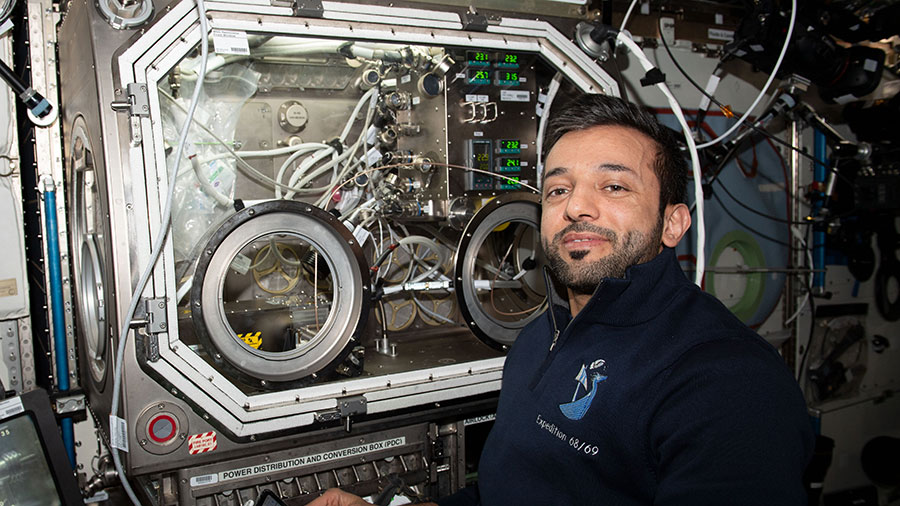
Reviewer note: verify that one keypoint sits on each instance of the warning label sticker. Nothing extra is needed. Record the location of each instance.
(305, 460)
(202, 443)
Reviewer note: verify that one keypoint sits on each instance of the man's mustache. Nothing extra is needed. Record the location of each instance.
(583, 227)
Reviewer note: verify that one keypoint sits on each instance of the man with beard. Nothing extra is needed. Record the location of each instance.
(643, 389)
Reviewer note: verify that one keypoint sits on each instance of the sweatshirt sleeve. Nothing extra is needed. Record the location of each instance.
(729, 426)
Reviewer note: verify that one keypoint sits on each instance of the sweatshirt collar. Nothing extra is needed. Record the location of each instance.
(641, 295)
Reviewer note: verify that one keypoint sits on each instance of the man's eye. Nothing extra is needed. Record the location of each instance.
(556, 191)
(615, 188)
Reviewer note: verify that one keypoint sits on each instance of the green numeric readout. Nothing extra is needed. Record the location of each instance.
(509, 164)
(509, 147)
(507, 78)
(478, 58)
(509, 183)
(478, 76)
(508, 60)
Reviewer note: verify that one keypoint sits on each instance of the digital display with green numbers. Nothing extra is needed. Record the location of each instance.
(509, 183)
(478, 58)
(508, 60)
(478, 76)
(507, 78)
(509, 146)
(509, 164)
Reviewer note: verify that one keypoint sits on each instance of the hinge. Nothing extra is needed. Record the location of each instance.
(137, 101)
(137, 105)
(151, 315)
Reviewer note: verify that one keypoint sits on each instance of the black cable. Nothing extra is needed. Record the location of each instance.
(760, 213)
(34, 101)
(11, 78)
(723, 106)
(741, 223)
(680, 69)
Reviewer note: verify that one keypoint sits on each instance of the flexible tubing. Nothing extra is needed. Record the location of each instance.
(625, 39)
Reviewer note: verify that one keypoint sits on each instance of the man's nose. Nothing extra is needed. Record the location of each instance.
(582, 205)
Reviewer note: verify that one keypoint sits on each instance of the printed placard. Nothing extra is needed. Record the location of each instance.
(11, 407)
(296, 462)
(230, 42)
(9, 287)
(720, 34)
(514, 96)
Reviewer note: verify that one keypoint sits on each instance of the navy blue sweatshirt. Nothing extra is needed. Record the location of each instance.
(654, 394)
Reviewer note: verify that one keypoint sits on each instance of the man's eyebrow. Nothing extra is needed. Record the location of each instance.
(611, 167)
(558, 171)
(614, 167)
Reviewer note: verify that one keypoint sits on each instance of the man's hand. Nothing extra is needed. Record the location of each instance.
(337, 497)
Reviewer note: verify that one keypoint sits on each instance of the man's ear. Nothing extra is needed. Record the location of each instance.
(676, 223)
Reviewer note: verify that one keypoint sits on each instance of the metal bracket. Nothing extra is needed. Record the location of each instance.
(473, 22)
(69, 404)
(308, 8)
(355, 405)
(10, 355)
(347, 407)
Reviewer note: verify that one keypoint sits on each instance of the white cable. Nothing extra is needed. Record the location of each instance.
(762, 93)
(268, 152)
(287, 163)
(367, 96)
(305, 164)
(162, 234)
(627, 15)
(809, 258)
(318, 156)
(298, 186)
(625, 38)
(350, 155)
(207, 187)
(542, 124)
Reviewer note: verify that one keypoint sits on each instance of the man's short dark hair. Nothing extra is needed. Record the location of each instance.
(590, 110)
